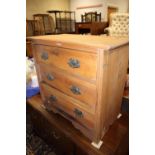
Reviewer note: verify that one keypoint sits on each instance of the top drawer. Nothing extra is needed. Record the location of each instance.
(76, 62)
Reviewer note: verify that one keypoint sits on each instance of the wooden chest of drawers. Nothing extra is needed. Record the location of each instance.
(82, 78)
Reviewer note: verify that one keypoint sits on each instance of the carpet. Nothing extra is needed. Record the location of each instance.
(34, 144)
(37, 146)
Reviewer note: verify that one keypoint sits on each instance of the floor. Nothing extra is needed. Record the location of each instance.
(37, 146)
(34, 144)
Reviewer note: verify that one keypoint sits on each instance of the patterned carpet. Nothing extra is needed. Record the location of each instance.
(36, 146)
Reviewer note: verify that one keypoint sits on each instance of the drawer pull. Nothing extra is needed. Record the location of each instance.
(50, 77)
(53, 98)
(74, 63)
(78, 113)
(44, 56)
(75, 90)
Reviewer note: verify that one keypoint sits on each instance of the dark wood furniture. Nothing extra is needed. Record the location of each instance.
(30, 27)
(67, 140)
(29, 48)
(82, 78)
(95, 28)
(29, 32)
(64, 21)
(90, 23)
(91, 17)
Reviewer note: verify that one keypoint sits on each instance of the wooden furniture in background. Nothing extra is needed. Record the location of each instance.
(29, 48)
(64, 21)
(44, 25)
(61, 134)
(29, 32)
(91, 23)
(91, 17)
(95, 28)
(111, 9)
(30, 27)
(34, 27)
(82, 78)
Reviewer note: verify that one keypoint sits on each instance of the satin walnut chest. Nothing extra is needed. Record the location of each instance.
(82, 78)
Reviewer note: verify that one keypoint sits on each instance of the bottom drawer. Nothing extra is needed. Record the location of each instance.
(67, 105)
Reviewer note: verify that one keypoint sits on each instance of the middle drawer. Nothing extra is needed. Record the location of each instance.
(77, 88)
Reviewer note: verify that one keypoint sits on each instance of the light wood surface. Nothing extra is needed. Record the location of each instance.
(100, 77)
(67, 104)
(65, 82)
(83, 40)
(60, 57)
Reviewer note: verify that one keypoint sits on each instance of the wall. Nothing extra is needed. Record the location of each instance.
(77, 3)
(41, 6)
(121, 4)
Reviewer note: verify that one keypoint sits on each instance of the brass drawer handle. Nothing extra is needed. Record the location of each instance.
(74, 63)
(50, 77)
(44, 55)
(53, 98)
(78, 113)
(75, 90)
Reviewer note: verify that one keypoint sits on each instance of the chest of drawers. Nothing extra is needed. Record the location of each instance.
(82, 78)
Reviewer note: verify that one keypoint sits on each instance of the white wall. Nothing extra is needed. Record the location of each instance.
(121, 4)
(41, 6)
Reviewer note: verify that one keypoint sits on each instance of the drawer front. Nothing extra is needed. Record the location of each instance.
(54, 98)
(75, 62)
(79, 89)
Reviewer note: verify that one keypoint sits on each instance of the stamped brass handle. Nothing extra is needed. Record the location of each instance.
(44, 55)
(74, 63)
(53, 98)
(78, 113)
(50, 77)
(75, 90)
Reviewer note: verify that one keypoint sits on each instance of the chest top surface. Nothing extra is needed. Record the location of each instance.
(103, 42)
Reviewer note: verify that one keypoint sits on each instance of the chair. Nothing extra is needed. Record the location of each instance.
(118, 25)
(44, 24)
(30, 27)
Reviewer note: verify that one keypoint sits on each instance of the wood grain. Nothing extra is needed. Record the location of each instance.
(117, 67)
(60, 57)
(64, 82)
(100, 77)
(67, 104)
(86, 43)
